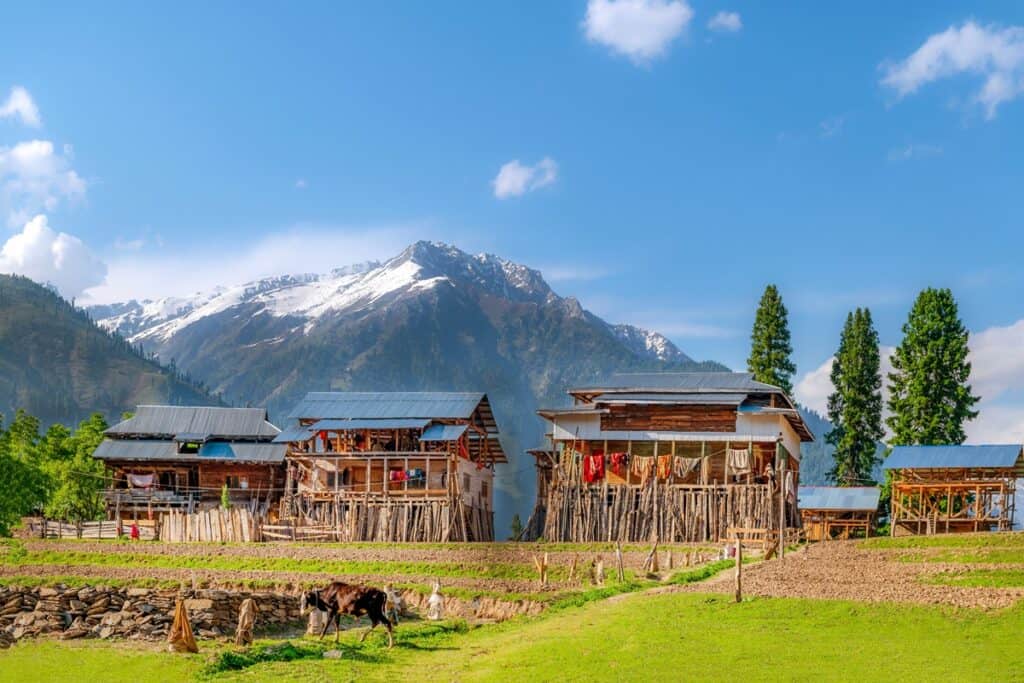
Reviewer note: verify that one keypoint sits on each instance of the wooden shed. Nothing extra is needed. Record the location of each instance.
(829, 512)
(392, 466)
(167, 458)
(678, 457)
(947, 489)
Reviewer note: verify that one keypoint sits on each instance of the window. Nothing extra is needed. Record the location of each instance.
(484, 491)
(465, 483)
(232, 481)
(188, 447)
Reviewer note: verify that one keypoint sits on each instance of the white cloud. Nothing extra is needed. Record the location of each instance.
(726, 22)
(20, 105)
(166, 270)
(912, 151)
(994, 54)
(57, 258)
(813, 389)
(638, 29)
(33, 179)
(514, 179)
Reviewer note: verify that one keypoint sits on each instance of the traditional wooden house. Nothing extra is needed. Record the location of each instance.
(945, 489)
(181, 458)
(829, 512)
(677, 457)
(398, 466)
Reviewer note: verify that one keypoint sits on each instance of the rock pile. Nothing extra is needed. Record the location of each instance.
(138, 613)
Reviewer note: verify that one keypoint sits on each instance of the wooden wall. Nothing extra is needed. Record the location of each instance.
(669, 418)
(213, 475)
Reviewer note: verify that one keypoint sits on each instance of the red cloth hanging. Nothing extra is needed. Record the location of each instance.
(593, 467)
(618, 463)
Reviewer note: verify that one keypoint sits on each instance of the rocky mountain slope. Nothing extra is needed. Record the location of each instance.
(59, 366)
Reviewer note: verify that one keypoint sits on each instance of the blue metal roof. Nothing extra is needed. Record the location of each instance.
(396, 404)
(384, 423)
(680, 398)
(443, 433)
(294, 434)
(838, 497)
(937, 457)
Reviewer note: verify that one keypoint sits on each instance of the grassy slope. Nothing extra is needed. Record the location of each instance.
(667, 636)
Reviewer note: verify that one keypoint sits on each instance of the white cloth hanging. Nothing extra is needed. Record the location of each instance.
(141, 481)
(739, 460)
(683, 466)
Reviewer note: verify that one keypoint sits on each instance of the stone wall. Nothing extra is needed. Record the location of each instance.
(146, 614)
(140, 613)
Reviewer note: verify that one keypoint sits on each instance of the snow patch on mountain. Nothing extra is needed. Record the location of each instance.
(649, 344)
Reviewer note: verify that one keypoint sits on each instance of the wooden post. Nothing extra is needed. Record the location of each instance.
(621, 572)
(739, 569)
(782, 499)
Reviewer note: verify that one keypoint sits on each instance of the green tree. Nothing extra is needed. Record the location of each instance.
(77, 479)
(516, 526)
(770, 348)
(23, 485)
(225, 498)
(929, 397)
(855, 406)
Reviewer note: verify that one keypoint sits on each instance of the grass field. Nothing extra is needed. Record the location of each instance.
(637, 637)
(615, 634)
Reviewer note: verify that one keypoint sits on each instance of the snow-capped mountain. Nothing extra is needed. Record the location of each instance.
(432, 317)
(358, 289)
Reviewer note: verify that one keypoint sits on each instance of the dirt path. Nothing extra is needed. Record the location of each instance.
(843, 571)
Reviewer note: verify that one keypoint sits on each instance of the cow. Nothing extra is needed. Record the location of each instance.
(344, 598)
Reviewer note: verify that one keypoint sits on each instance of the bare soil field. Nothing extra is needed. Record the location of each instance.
(846, 570)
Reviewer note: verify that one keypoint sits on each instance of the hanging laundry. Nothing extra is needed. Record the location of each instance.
(593, 467)
(664, 466)
(683, 466)
(739, 460)
(643, 467)
(790, 487)
(141, 481)
(618, 464)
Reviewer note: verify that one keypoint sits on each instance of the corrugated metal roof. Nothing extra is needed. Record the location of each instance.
(167, 421)
(838, 497)
(671, 398)
(384, 423)
(443, 433)
(149, 450)
(686, 381)
(294, 434)
(375, 405)
(933, 457)
(193, 437)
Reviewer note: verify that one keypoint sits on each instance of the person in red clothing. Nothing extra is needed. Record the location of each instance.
(134, 533)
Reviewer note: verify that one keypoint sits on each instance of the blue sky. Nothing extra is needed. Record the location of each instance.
(685, 162)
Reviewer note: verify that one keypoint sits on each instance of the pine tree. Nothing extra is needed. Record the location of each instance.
(770, 348)
(855, 406)
(930, 399)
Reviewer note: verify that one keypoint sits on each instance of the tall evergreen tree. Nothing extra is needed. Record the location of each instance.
(855, 406)
(770, 349)
(929, 397)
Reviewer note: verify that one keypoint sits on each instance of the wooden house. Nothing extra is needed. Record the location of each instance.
(677, 457)
(829, 512)
(945, 489)
(398, 466)
(180, 458)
